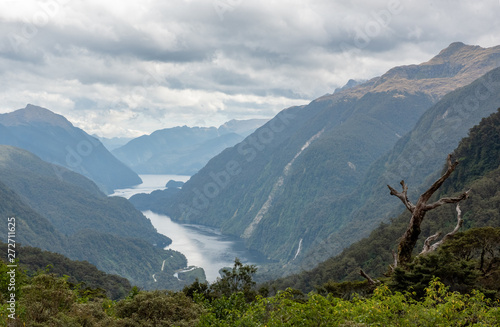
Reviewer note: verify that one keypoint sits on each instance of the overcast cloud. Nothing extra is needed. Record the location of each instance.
(125, 67)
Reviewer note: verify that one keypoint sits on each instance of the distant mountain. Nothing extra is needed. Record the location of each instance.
(182, 150)
(54, 139)
(61, 211)
(294, 184)
(241, 127)
(113, 142)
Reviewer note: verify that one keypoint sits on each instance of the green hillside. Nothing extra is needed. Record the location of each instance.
(479, 171)
(415, 158)
(61, 211)
(72, 202)
(87, 275)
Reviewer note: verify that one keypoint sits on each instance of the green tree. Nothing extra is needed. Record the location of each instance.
(237, 279)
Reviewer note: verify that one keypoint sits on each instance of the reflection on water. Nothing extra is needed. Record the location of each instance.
(203, 246)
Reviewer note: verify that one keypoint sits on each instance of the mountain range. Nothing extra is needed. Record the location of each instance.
(182, 150)
(302, 188)
(54, 139)
(306, 184)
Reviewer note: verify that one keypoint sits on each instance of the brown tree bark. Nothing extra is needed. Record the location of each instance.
(418, 211)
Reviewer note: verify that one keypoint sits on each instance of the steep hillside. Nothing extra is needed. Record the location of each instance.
(415, 158)
(182, 150)
(61, 211)
(479, 171)
(289, 186)
(87, 275)
(32, 228)
(56, 140)
(70, 201)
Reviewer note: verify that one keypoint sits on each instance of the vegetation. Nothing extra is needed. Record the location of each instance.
(481, 209)
(47, 300)
(69, 215)
(80, 274)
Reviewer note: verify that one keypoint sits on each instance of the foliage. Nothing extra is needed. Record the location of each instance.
(237, 279)
(80, 273)
(158, 308)
(471, 260)
(439, 307)
(48, 300)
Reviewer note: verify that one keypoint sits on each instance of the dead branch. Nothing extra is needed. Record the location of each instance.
(429, 248)
(368, 278)
(437, 184)
(428, 241)
(442, 201)
(410, 237)
(403, 196)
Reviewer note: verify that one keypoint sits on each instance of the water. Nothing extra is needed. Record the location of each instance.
(149, 184)
(203, 246)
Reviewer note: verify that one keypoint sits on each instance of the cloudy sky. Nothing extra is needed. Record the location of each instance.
(124, 68)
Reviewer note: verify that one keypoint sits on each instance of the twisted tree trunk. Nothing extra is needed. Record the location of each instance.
(418, 211)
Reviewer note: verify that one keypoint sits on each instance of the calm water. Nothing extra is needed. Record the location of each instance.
(203, 246)
(149, 184)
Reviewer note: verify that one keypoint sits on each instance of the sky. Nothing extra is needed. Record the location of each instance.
(126, 68)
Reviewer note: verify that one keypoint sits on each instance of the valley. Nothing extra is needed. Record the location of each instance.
(232, 222)
(203, 247)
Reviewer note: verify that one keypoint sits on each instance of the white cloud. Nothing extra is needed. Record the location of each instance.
(129, 67)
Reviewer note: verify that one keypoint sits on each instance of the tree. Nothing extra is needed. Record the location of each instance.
(237, 279)
(418, 211)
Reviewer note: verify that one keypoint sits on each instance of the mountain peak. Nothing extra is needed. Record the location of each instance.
(458, 52)
(32, 114)
(457, 65)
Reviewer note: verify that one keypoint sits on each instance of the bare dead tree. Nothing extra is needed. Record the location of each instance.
(418, 211)
(428, 247)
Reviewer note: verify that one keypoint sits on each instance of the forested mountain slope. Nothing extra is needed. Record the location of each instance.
(415, 158)
(61, 211)
(292, 184)
(479, 171)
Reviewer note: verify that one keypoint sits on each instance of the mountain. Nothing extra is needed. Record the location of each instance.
(113, 142)
(294, 183)
(479, 171)
(415, 158)
(54, 139)
(61, 211)
(241, 127)
(182, 150)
